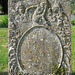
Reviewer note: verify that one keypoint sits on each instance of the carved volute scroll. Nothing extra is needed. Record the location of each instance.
(39, 37)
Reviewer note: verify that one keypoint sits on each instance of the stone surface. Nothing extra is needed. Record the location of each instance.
(39, 51)
(39, 37)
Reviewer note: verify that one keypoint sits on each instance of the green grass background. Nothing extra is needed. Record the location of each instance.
(4, 21)
(73, 6)
(3, 50)
(73, 48)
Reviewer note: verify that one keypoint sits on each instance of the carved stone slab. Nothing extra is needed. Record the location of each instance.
(39, 37)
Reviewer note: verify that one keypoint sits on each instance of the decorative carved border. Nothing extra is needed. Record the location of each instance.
(63, 32)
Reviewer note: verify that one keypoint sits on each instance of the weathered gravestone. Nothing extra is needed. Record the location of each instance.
(39, 37)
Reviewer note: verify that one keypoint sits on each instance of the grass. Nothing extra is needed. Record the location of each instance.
(3, 20)
(2, 17)
(4, 50)
(73, 48)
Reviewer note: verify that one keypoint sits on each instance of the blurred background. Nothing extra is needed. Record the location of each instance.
(4, 37)
(3, 13)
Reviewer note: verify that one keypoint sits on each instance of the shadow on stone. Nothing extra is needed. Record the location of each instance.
(3, 73)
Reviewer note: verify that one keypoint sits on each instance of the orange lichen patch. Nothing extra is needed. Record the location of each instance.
(6, 45)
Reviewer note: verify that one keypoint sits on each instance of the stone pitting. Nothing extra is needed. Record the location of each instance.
(38, 53)
(35, 27)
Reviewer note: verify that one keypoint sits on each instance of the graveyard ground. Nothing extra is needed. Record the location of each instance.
(4, 50)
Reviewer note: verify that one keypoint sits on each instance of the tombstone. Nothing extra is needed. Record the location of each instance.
(39, 37)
